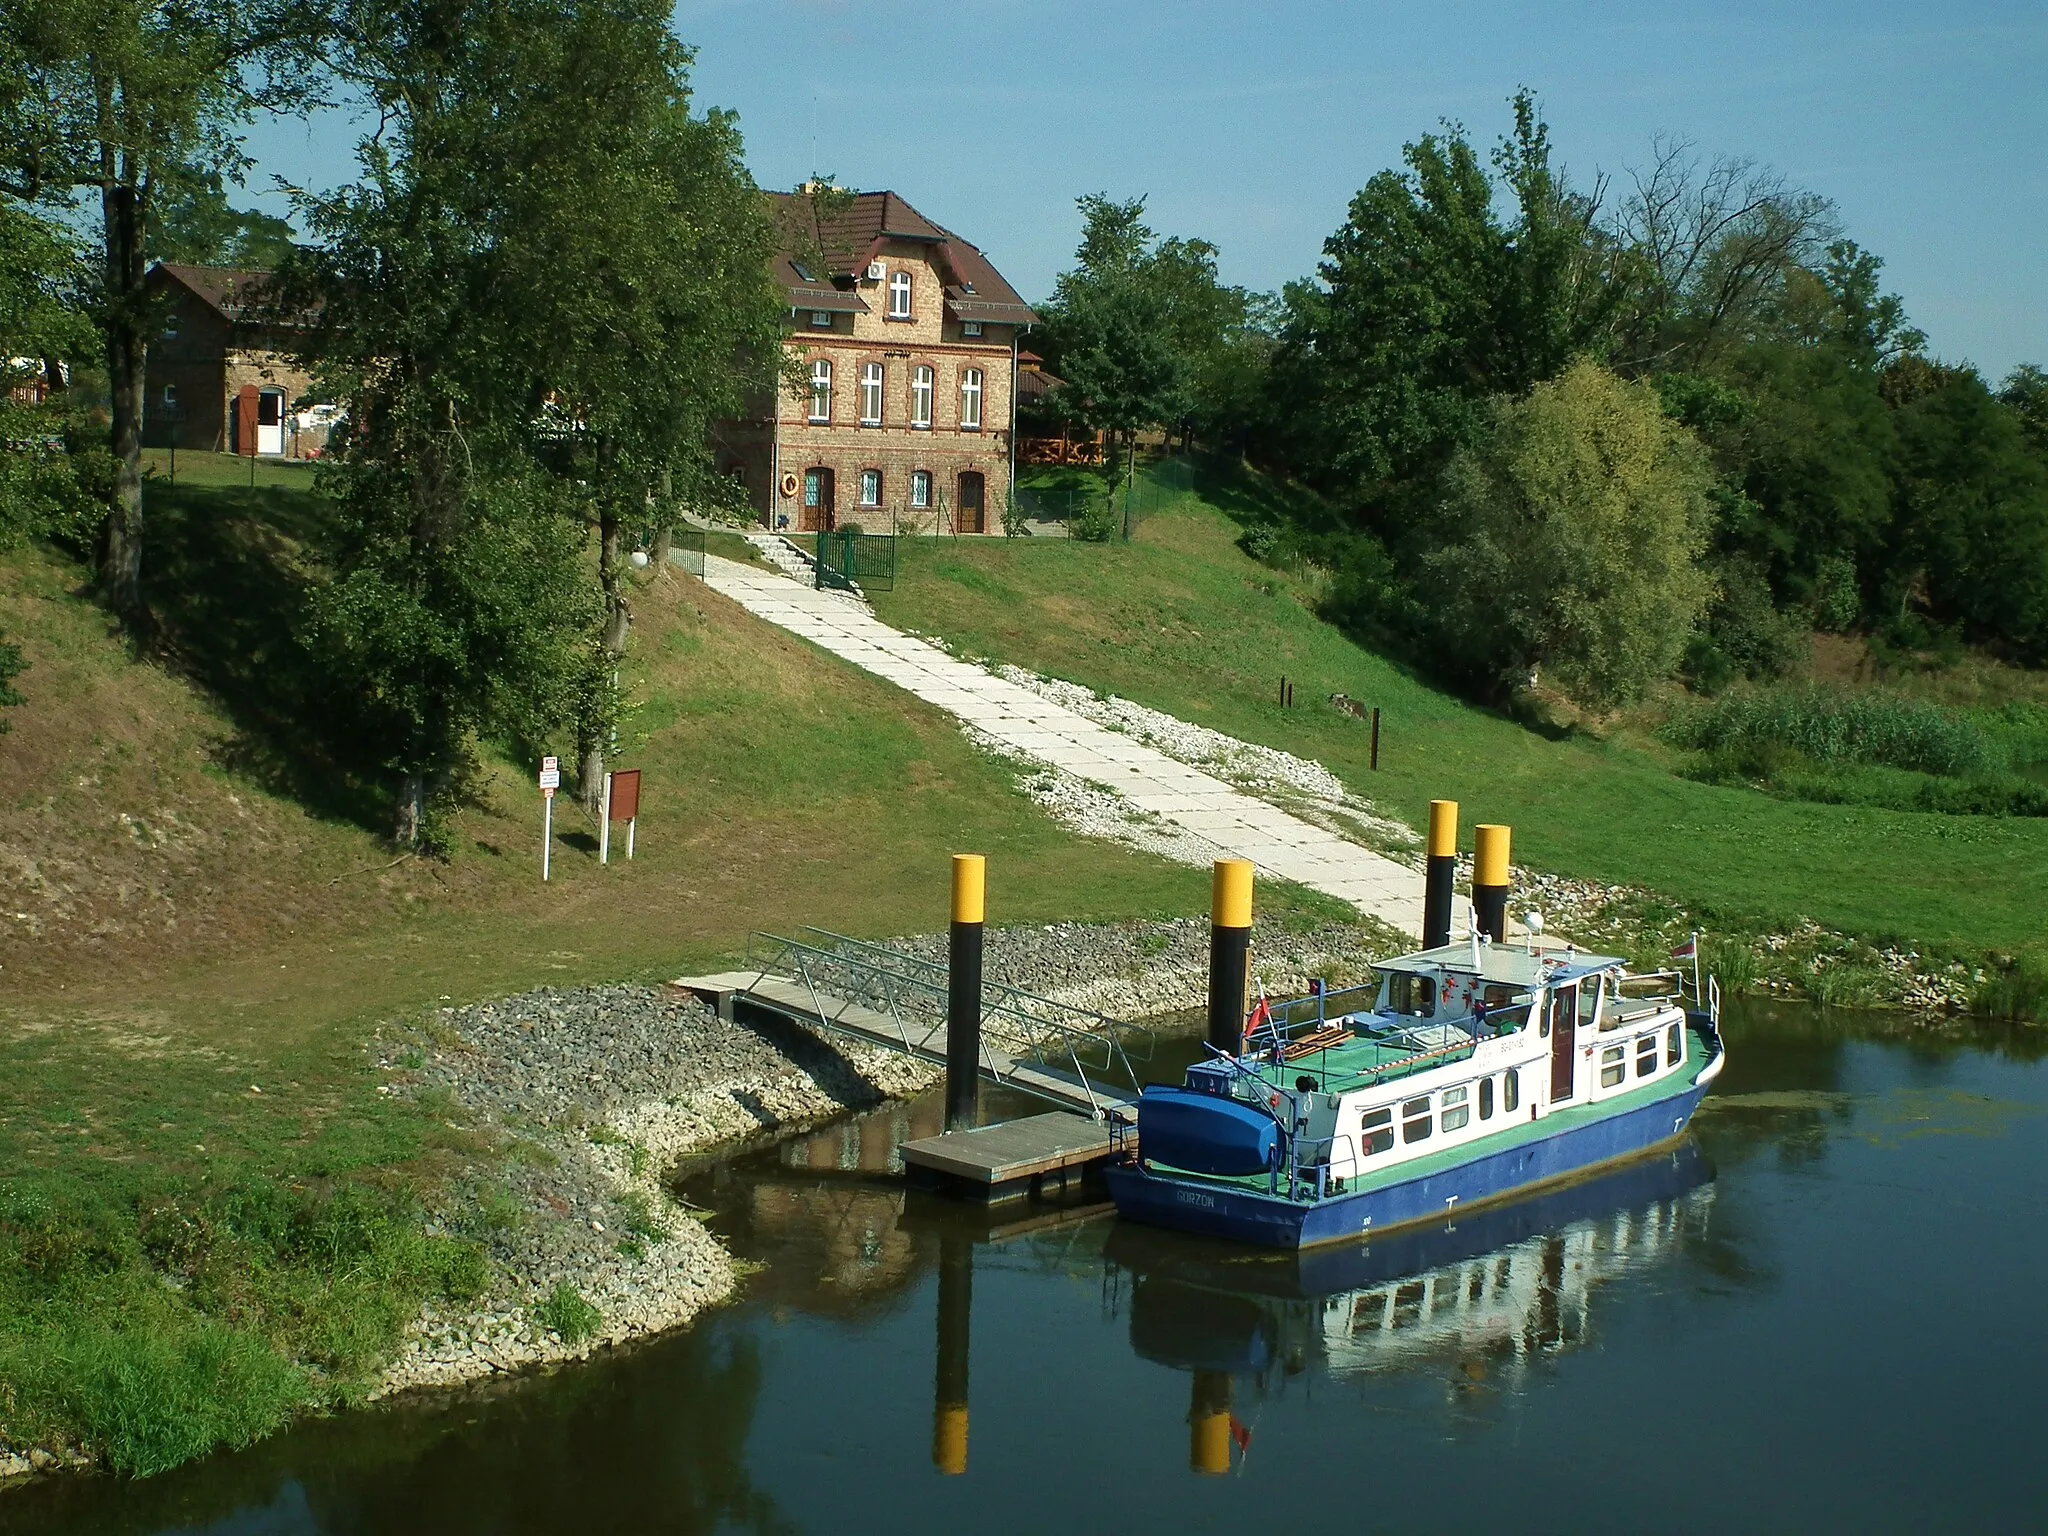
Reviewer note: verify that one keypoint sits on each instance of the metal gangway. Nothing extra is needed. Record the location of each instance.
(1071, 1057)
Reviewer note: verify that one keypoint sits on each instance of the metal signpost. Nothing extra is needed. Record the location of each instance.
(550, 781)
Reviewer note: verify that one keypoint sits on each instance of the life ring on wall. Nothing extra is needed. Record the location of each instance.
(789, 482)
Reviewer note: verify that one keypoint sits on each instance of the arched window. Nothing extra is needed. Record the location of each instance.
(821, 390)
(871, 394)
(899, 296)
(970, 400)
(921, 396)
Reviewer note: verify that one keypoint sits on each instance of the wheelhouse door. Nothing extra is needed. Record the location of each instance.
(817, 513)
(972, 495)
(1564, 1024)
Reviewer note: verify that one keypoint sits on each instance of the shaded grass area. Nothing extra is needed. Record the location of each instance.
(209, 1217)
(1183, 620)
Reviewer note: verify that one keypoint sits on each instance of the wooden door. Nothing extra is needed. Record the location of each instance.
(1564, 1025)
(972, 496)
(817, 511)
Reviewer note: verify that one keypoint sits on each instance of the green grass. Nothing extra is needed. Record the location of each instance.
(567, 1315)
(1184, 621)
(193, 468)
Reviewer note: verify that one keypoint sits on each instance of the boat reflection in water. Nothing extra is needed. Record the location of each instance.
(1493, 1292)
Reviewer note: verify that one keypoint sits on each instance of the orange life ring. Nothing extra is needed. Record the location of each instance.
(789, 482)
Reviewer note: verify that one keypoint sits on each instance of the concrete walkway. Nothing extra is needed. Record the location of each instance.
(1239, 825)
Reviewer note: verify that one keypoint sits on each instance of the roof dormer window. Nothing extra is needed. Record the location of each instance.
(821, 319)
(899, 296)
(970, 327)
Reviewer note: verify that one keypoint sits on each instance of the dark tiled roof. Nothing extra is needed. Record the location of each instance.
(847, 236)
(236, 293)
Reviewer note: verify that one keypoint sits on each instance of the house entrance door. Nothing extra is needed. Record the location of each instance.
(1564, 1025)
(973, 492)
(270, 421)
(817, 516)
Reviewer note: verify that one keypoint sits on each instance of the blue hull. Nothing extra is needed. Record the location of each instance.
(1214, 1210)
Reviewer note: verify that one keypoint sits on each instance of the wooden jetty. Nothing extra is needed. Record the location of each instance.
(1033, 1156)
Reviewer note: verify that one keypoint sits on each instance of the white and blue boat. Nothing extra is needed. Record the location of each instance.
(1469, 1074)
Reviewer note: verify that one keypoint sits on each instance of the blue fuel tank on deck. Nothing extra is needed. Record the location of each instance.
(1205, 1133)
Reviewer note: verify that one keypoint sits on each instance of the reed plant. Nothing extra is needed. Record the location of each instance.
(2018, 991)
(1731, 962)
(1839, 727)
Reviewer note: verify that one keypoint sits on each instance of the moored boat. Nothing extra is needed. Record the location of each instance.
(1469, 1073)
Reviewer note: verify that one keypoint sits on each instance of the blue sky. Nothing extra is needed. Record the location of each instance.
(1252, 126)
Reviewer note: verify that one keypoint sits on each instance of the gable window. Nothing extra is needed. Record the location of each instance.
(921, 396)
(970, 327)
(821, 390)
(871, 394)
(821, 319)
(871, 487)
(920, 487)
(899, 296)
(970, 400)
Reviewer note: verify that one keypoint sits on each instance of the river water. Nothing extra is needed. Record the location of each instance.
(1825, 1312)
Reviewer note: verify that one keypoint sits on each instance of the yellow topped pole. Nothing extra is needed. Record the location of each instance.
(1230, 947)
(1490, 880)
(1440, 872)
(963, 990)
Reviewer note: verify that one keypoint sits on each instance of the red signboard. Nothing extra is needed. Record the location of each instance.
(626, 795)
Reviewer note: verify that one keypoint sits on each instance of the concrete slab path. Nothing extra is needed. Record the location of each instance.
(1238, 824)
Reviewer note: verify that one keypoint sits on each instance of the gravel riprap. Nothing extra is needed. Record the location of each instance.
(601, 1092)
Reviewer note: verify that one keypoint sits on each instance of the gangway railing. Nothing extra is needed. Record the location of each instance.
(1018, 1028)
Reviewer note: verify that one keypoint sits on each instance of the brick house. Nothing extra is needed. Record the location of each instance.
(907, 341)
(220, 375)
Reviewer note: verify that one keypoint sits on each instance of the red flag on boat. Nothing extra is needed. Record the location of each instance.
(1260, 1015)
(1689, 950)
(1240, 1434)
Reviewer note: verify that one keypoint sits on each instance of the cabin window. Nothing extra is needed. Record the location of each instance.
(1646, 1055)
(1674, 1051)
(1486, 1098)
(1511, 1090)
(1456, 1111)
(1589, 1000)
(1376, 1132)
(1412, 995)
(1612, 1067)
(1415, 1123)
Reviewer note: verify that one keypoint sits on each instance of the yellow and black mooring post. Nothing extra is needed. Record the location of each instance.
(963, 990)
(1209, 1424)
(956, 1314)
(1230, 952)
(1490, 880)
(1440, 873)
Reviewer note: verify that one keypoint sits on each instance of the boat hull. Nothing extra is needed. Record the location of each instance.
(1272, 1221)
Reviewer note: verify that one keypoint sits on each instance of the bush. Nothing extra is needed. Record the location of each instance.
(1096, 523)
(2018, 992)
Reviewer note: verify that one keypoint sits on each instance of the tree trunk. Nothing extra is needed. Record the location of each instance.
(664, 541)
(593, 735)
(409, 813)
(127, 355)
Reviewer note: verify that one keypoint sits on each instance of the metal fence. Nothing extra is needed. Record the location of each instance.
(847, 560)
(686, 549)
(1091, 509)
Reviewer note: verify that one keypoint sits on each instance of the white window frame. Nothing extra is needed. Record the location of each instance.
(170, 401)
(821, 319)
(924, 387)
(970, 327)
(900, 288)
(920, 488)
(872, 380)
(821, 390)
(971, 385)
(870, 488)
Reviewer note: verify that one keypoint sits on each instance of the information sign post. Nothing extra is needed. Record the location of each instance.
(624, 803)
(550, 781)
(604, 827)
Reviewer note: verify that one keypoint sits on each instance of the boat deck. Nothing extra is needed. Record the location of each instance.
(1381, 1049)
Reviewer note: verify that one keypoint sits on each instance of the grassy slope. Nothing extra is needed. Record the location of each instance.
(198, 935)
(1183, 621)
